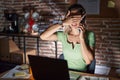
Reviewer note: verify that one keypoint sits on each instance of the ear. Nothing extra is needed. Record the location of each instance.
(67, 14)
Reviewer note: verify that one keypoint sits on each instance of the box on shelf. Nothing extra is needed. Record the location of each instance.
(19, 58)
(4, 49)
(10, 52)
(12, 46)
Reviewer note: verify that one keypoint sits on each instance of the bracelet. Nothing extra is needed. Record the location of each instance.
(61, 23)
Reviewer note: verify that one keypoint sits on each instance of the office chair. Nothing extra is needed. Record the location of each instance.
(90, 67)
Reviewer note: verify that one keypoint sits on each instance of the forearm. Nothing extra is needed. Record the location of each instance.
(51, 30)
(86, 52)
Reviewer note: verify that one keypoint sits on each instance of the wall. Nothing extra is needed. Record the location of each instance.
(107, 40)
(107, 29)
(118, 6)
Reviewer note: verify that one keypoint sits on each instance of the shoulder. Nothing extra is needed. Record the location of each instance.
(60, 35)
(90, 33)
(90, 39)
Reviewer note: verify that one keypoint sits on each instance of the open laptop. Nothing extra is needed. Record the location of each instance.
(45, 68)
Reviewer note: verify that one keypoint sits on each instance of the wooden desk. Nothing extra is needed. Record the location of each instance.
(31, 77)
(80, 73)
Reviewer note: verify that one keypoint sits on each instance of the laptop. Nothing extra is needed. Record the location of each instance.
(45, 68)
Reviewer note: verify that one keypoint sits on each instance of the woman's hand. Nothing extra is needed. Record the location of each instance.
(71, 20)
(67, 21)
(82, 32)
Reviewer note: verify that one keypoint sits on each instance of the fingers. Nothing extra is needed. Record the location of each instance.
(72, 19)
(75, 16)
(68, 20)
(83, 16)
(82, 28)
(75, 19)
(68, 13)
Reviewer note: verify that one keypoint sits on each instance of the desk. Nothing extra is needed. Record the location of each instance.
(24, 40)
(80, 73)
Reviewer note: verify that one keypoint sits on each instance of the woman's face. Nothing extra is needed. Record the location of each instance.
(76, 19)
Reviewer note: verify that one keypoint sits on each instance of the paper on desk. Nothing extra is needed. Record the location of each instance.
(14, 70)
(104, 70)
(73, 76)
(93, 78)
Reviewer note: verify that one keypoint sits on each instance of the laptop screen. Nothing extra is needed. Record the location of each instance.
(45, 68)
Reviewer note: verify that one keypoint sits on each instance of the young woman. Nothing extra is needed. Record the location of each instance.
(78, 43)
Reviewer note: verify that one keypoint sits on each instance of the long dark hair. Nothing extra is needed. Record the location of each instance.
(79, 10)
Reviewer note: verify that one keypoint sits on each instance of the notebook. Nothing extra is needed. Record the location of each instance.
(45, 68)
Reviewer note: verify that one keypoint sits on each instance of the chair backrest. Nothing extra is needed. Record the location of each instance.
(91, 67)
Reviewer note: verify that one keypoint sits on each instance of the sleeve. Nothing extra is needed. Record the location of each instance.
(60, 35)
(91, 38)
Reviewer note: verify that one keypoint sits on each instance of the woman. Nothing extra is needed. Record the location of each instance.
(78, 43)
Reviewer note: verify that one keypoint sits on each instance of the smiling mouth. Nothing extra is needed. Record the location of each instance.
(74, 25)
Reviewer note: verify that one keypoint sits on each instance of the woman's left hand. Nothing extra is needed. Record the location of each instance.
(82, 32)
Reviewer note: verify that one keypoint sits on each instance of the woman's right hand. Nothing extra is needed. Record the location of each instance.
(71, 20)
(67, 21)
